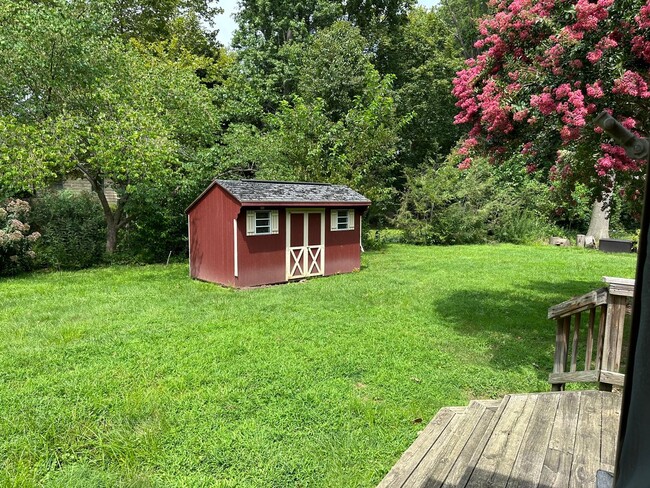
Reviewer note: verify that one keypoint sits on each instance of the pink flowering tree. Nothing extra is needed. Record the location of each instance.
(546, 69)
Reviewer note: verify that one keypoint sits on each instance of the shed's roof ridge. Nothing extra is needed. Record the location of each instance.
(283, 182)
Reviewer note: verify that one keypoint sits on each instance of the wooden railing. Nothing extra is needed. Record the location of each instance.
(605, 311)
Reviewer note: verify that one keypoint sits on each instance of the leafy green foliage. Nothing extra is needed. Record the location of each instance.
(426, 59)
(448, 206)
(337, 69)
(140, 376)
(72, 228)
(87, 102)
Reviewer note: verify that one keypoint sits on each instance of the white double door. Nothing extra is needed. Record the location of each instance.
(305, 243)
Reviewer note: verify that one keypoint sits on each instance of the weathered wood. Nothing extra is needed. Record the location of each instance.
(434, 464)
(611, 378)
(561, 346)
(435, 467)
(611, 408)
(592, 376)
(547, 440)
(494, 467)
(414, 454)
(589, 348)
(576, 338)
(471, 451)
(578, 304)
(601, 336)
(559, 241)
(586, 456)
(619, 318)
(559, 452)
(613, 337)
(463, 474)
(527, 469)
(620, 286)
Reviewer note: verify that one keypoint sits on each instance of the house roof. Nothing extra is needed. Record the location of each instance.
(291, 193)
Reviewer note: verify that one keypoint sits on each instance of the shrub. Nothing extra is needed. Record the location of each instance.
(16, 240)
(73, 229)
(445, 205)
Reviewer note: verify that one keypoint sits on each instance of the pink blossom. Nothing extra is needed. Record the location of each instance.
(34, 236)
(569, 133)
(615, 159)
(594, 56)
(628, 122)
(641, 48)
(520, 116)
(465, 164)
(493, 115)
(595, 90)
(631, 83)
(562, 91)
(643, 19)
(544, 103)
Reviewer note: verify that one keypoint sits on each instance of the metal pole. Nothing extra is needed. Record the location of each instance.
(633, 450)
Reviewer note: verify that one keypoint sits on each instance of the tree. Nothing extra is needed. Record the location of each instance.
(426, 58)
(337, 69)
(341, 125)
(462, 18)
(158, 20)
(545, 70)
(85, 102)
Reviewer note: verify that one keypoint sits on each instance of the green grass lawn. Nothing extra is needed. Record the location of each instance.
(139, 376)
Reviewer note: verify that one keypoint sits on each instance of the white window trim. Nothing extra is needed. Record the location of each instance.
(334, 220)
(251, 222)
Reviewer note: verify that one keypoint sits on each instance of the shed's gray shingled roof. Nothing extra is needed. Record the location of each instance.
(287, 192)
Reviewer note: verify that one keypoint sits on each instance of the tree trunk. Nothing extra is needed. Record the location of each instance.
(599, 224)
(111, 236)
(114, 216)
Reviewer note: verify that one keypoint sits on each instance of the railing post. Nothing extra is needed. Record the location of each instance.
(561, 349)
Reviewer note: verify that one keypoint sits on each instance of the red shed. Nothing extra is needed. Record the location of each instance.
(252, 232)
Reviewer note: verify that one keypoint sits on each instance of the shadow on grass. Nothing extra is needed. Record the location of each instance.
(513, 324)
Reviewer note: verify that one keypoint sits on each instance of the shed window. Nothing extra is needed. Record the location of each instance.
(261, 222)
(342, 220)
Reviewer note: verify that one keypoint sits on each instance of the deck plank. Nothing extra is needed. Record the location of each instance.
(586, 455)
(559, 453)
(527, 469)
(610, 420)
(467, 459)
(495, 465)
(434, 469)
(414, 454)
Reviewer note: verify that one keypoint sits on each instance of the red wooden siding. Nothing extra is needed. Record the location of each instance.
(262, 259)
(220, 247)
(342, 247)
(211, 238)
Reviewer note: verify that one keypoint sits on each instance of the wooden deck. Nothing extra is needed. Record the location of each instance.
(557, 439)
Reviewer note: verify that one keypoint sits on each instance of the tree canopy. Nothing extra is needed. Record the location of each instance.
(545, 70)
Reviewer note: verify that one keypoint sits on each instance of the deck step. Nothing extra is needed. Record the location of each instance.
(538, 440)
(431, 460)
